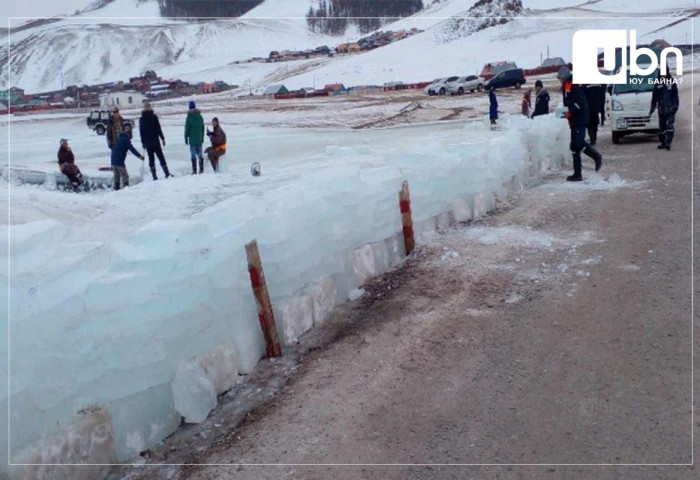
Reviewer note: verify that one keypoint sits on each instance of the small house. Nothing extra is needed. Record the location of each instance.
(354, 47)
(276, 89)
(553, 62)
(124, 99)
(335, 89)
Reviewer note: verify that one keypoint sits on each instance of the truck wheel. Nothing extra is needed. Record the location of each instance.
(100, 130)
(442, 91)
(616, 137)
(517, 85)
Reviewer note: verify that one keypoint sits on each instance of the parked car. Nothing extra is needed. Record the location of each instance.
(322, 50)
(440, 85)
(507, 78)
(629, 103)
(99, 119)
(465, 84)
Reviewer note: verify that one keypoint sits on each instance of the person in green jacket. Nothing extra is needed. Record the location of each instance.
(194, 137)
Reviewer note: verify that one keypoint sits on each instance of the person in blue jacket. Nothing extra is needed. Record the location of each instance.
(121, 147)
(577, 115)
(665, 96)
(493, 106)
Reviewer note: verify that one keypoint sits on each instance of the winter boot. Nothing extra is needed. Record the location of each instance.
(201, 166)
(576, 177)
(194, 167)
(167, 172)
(595, 155)
(153, 172)
(662, 141)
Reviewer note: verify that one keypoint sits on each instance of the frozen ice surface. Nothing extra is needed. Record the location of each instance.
(114, 295)
(193, 392)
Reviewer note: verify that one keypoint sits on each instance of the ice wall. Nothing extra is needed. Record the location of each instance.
(130, 323)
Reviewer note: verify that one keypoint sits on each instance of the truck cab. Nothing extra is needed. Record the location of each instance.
(630, 104)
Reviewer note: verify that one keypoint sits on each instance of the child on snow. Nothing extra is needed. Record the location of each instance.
(121, 147)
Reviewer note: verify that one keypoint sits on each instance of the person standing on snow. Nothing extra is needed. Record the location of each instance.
(577, 115)
(194, 137)
(595, 97)
(66, 163)
(541, 100)
(218, 144)
(665, 96)
(151, 136)
(121, 147)
(527, 102)
(493, 107)
(114, 126)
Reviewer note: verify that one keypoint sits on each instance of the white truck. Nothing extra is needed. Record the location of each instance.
(630, 104)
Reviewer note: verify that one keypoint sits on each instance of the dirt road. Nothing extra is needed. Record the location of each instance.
(557, 331)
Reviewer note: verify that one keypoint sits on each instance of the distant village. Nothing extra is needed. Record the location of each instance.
(132, 93)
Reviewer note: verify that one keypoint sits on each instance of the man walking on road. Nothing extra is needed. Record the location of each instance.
(577, 115)
(194, 137)
(665, 96)
(151, 136)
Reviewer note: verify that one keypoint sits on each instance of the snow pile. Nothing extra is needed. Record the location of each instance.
(110, 312)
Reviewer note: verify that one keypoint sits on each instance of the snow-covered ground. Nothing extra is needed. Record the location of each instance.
(111, 291)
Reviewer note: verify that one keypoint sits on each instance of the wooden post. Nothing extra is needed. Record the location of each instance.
(262, 299)
(406, 218)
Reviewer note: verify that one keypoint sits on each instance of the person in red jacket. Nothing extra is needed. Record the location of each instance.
(66, 163)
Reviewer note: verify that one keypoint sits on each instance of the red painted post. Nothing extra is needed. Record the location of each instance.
(406, 219)
(262, 300)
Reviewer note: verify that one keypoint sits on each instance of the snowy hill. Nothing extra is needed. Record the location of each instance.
(124, 38)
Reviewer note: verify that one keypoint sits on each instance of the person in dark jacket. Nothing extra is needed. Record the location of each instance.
(493, 106)
(595, 97)
(577, 115)
(218, 144)
(541, 100)
(665, 97)
(66, 163)
(114, 126)
(121, 147)
(194, 136)
(151, 136)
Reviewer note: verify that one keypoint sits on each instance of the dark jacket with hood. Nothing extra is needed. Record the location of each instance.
(194, 127)
(120, 148)
(595, 96)
(149, 129)
(575, 102)
(541, 103)
(666, 98)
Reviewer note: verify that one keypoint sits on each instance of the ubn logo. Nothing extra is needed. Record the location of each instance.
(587, 44)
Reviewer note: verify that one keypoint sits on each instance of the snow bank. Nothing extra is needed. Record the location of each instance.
(150, 322)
